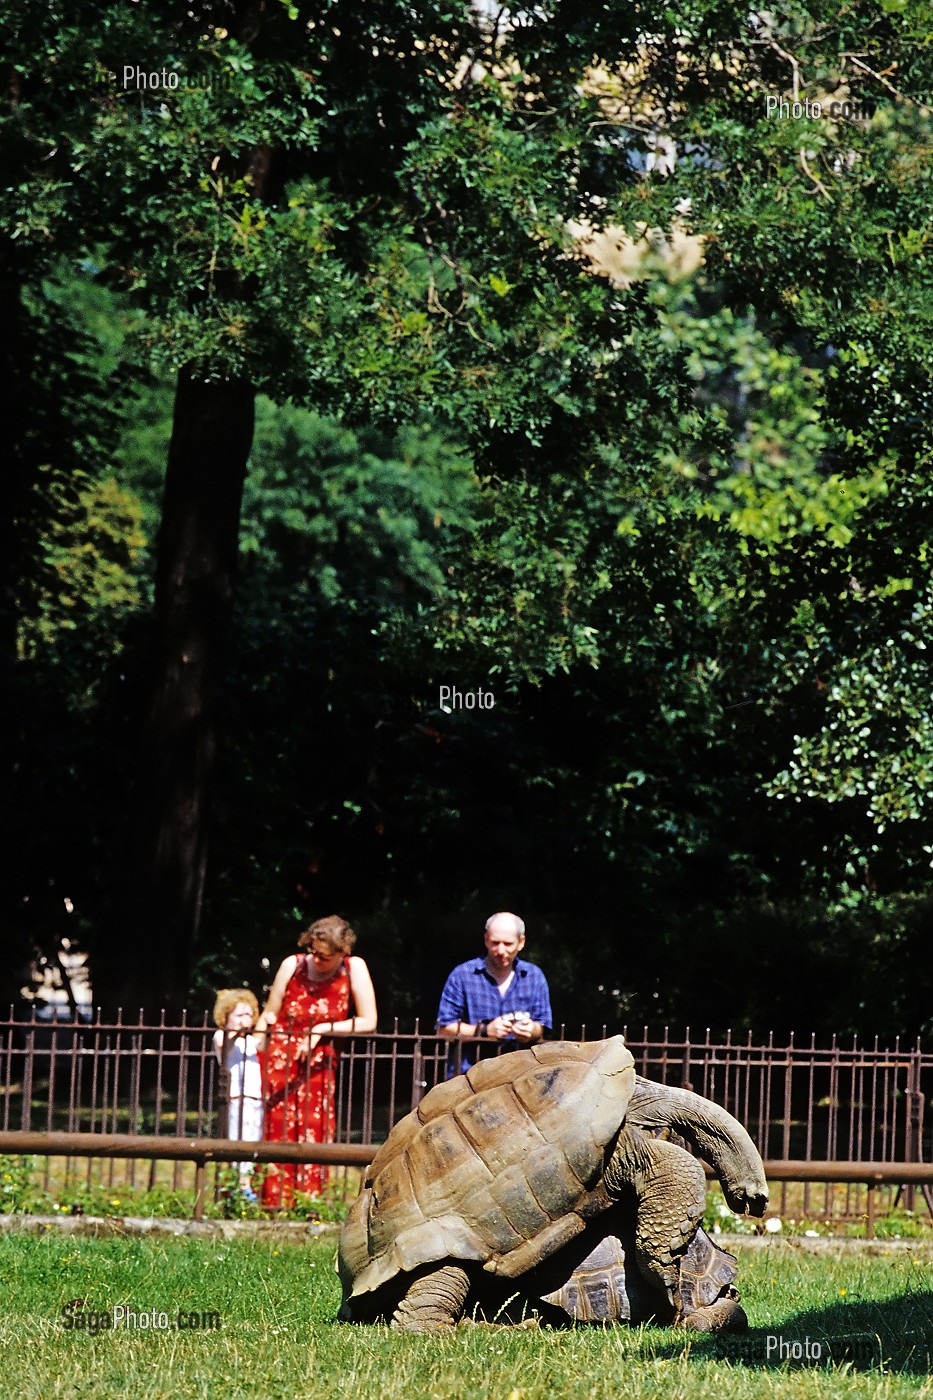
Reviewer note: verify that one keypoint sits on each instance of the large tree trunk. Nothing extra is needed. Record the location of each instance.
(212, 436)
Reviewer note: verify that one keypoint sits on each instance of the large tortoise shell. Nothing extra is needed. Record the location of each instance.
(502, 1165)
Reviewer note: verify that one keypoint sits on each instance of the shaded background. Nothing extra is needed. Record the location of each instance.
(324, 392)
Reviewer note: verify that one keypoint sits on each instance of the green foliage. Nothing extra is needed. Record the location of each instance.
(87, 578)
(877, 745)
(677, 521)
(24, 1190)
(344, 519)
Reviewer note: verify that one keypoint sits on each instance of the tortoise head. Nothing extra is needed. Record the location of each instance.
(718, 1137)
(748, 1194)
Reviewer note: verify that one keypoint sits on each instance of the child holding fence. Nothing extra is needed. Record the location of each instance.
(235, 1012)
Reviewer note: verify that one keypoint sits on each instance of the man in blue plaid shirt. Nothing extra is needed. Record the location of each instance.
(499, 997)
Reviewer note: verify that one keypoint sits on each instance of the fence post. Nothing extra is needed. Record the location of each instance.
(914, 1133)
(200, 1181)
(870, 1211)
(29, 1051)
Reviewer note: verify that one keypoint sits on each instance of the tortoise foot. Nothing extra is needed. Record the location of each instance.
(433, 1301)
(725, 1315)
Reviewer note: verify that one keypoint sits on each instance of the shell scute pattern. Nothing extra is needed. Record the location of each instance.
(395, 1202)
(531, 1252)
(597, 1290)
(495, 1229)
(354, 1239)
(444, 1171)
(552, 1092)
(551, 1180)
(603, 1283)
(583, 1154)
(705, 1275)
(398, 1142)
(443, 1098)
(498, 1127)
(510, 1191)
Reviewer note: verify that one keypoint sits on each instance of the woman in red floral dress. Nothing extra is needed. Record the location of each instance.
(310, 998)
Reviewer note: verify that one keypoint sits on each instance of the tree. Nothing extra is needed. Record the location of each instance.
(195, 219)
(655, 461)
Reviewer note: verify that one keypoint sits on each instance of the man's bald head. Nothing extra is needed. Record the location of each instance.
(505, 939)
(508, 924)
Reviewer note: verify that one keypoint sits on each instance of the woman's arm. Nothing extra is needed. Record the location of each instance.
(497, 1029)
(276, 992)
(364, 1003)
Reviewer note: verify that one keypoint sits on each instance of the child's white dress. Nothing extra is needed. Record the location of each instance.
(239, 1056)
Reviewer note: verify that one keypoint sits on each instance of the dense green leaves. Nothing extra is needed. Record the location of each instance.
(677, 519)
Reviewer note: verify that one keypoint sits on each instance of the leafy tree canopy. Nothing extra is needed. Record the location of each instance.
(685, 511)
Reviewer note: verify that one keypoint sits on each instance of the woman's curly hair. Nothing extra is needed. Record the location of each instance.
(333, 932)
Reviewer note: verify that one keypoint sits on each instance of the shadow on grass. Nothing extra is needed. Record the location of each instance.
(895, 1334)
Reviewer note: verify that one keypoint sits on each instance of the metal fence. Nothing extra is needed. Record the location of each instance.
(854, 1102)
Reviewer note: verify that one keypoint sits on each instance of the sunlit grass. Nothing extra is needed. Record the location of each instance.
(277, 1304)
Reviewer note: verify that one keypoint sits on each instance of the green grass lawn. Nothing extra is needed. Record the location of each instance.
(277, 1336)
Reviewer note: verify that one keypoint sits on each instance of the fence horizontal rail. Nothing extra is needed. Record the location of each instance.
(185, 1149)
(863, 1173)
(201, 1151)
(360, 1154)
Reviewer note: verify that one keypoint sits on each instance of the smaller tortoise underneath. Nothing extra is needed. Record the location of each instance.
(534, 1177)
(596, 1279)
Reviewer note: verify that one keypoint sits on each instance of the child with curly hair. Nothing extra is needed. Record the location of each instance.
(235, 1013)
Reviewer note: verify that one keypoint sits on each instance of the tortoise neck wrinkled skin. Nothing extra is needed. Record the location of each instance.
(630, 1162)
(719, 1138)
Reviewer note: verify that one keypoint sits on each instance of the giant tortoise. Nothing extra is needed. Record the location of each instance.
(484, 1190)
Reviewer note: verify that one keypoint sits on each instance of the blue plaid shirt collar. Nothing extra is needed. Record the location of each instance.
(520, 969)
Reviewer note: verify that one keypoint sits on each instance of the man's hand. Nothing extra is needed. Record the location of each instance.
(498, 1029)
(526, 1031)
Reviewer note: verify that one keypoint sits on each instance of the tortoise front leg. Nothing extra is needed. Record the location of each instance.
(670, 1194)
(433, 1300)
